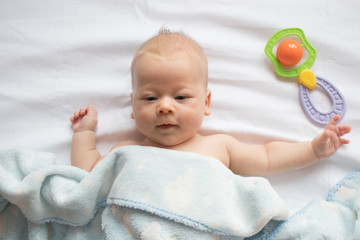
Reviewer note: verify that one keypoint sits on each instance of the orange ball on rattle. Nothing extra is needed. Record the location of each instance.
(289, 53)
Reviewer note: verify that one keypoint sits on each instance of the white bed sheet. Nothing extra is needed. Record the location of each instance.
(58, 56)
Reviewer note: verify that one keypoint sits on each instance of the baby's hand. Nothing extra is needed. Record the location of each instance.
(85, 119)
(330, 140)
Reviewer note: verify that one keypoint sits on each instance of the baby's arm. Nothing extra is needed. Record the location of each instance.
(275, 157)
(83, 149)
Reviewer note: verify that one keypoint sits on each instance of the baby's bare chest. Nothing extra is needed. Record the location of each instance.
(208, 146)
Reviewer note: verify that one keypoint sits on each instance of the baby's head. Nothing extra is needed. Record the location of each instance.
(168, 44)
(170, 96)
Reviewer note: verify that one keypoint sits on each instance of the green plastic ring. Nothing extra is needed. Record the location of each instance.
(284, 33)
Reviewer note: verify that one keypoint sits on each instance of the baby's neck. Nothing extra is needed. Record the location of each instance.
(182, 146)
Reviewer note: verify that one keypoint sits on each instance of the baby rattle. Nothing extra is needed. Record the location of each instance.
(287, 63)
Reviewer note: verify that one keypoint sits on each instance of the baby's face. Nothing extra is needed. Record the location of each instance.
(169, 97)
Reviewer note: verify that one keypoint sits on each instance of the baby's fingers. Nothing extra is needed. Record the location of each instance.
(334, 120)
(74, 117)
(91, 111)
(344, 141)
(341, 130)
(82, 111)
(78, 114)
(344, 129)
(88, 111)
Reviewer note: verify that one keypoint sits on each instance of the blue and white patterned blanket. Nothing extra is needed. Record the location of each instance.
(150, 193)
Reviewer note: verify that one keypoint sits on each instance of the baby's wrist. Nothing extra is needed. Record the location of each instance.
(313, 148)
(83, 132)
(77, 129)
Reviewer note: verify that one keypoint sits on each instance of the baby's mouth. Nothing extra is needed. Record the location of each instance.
(166, 126)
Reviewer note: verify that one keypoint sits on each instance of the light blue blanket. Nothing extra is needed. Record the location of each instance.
(150, 193)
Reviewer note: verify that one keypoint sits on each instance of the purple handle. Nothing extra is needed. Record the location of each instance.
(337, 99)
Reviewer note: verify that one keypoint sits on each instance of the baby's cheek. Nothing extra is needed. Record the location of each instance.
(143, 119)
(193, 117)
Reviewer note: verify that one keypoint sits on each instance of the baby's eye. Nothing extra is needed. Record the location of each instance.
(151, 98)
(180, 97)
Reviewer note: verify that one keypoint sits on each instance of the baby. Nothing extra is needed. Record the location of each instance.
(169, 100)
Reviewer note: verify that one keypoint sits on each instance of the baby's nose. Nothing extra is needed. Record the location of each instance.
(165, 106)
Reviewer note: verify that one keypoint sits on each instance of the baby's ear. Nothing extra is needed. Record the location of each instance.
(207, 103)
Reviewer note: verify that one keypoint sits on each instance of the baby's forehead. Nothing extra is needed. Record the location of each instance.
(147, 55)
(169, 44)
(172, 45)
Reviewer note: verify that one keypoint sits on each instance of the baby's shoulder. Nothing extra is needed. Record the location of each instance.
(126, 143)
(216, 146)
(220, 138)
(224, 141)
